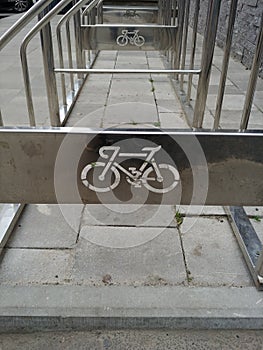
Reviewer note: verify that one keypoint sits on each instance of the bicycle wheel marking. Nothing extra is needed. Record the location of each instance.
(96, 185)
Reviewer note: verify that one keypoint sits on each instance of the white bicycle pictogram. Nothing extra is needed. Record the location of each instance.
(132, 37)
(148, 172)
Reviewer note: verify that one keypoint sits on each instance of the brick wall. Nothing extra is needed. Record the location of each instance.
(245, 31)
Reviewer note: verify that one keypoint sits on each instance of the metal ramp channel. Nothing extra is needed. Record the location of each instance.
(224, 157)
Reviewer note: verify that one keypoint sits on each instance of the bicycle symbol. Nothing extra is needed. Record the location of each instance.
(148, 172)
(130, 37)
(131, 13)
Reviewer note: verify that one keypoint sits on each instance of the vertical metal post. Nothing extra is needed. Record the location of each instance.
(1, 119)
(185, 35)
(50, 78)
(174, 9)
(168, 12)
(193, 48)
(170, 21)
(173, 23)
(27, 84)
(78, 43)
(221, 89)
(178, 45)
(253, 79)
(167, 22)
(100, 12)
(207, 59)
(61, 63)
(70, 61)
(159, 11)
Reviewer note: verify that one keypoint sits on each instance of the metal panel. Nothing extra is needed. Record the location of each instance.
(130, 14)
(54, 165)
(121, 37)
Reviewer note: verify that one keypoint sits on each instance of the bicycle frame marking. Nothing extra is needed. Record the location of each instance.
(131, 37)
(135, 177)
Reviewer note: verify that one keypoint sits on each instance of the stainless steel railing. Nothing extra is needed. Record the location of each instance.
(23, 21)
(171, 13)
(58, 109)
(65, 20)
(57, 115)
(253, 79)
(184, 84)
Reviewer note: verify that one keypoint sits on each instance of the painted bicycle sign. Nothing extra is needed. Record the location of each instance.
(148, 174)
(131, 37)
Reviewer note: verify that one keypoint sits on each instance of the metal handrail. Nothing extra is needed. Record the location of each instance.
(119, 71)
(41, 24)
(66, 19)
(87, 9)
(23, 21)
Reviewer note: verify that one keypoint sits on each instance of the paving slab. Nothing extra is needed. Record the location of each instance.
(129, 215)
(257, 223)
(197, 210)
(254, 211)
(87, 114)
(134, 97)
(44, 226)
(212, 254)
(131, 112)
(168, 105)
(35, 266)
(129, 256)
(230, 103)
(172, 120)
(233, 116)
(258, 100)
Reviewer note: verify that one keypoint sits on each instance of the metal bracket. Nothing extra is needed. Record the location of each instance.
(249, 243)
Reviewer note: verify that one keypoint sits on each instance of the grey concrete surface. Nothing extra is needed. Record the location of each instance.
(135, 340)
(129, 255)
(212, 256)
(131, 215)
(51, 230)
(80, 261)
(80, 307)
(118, 340)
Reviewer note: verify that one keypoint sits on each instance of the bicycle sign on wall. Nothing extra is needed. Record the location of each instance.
(131, 37)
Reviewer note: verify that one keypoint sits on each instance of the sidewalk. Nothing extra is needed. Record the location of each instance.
(127, 263)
